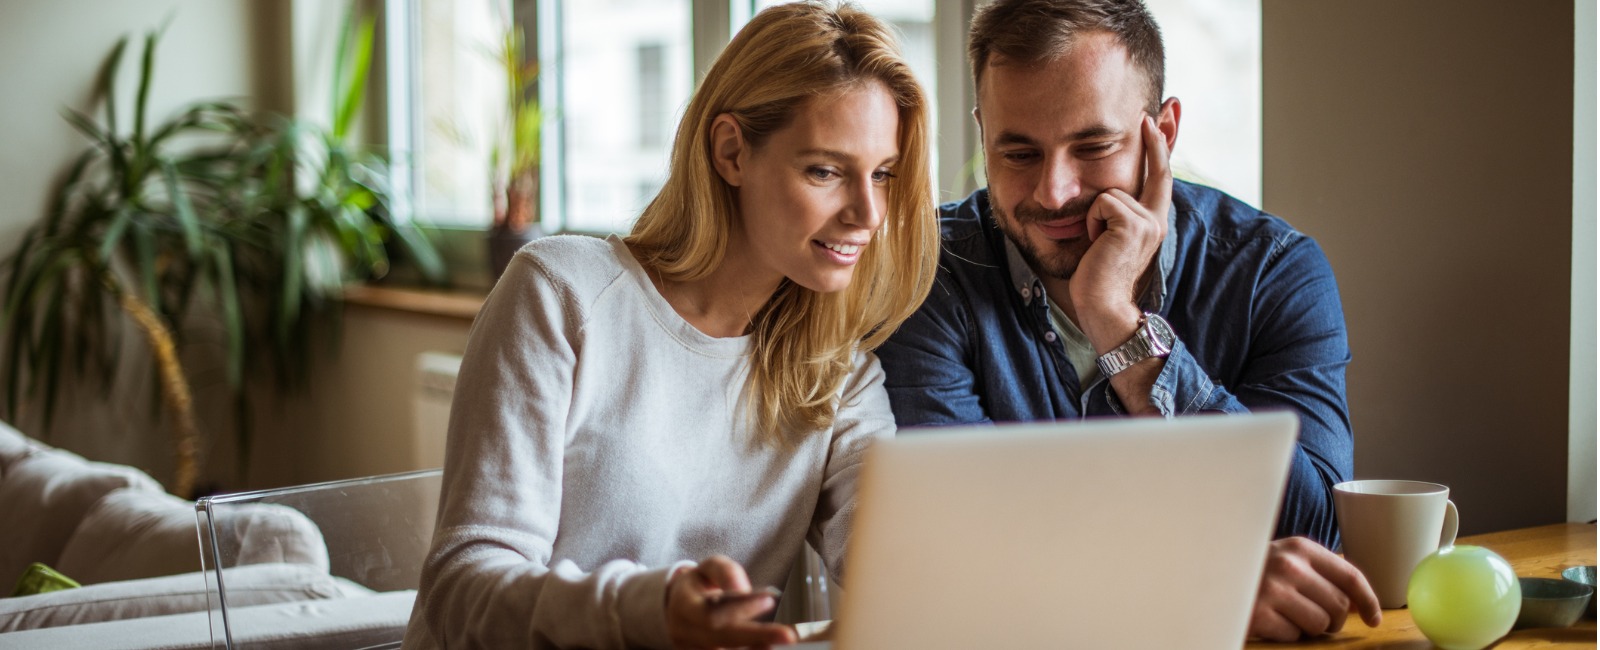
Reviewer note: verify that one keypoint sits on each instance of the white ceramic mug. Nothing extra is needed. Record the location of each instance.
(1387, 527)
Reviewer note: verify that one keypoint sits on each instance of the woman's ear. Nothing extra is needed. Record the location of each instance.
(727, 146)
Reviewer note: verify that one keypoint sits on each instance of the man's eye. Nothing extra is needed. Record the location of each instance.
(1019, 157)
(1095, 150)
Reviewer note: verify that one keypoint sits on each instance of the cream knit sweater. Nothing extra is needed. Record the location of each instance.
(596, 441)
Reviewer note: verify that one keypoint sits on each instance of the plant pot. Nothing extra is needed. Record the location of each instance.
(504, 244)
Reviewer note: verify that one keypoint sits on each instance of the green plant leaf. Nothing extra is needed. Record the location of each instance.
(62, 197)
(106, 83)
(46, 370)
(293, 273)
(146, 68)
(348, 98)
(232, 314)
(121, 217)
(85, 125)
(144, 247)
(184, 209)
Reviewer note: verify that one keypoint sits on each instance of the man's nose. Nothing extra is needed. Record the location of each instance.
(1058, 183)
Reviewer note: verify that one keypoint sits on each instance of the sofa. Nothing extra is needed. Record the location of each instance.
(158, 571)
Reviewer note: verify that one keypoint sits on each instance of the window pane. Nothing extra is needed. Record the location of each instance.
(459, 103)
(626, 75)
(913, 19)
(1214, 67)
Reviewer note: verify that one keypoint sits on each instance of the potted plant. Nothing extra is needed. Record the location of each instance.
(232, 223)
(514, 158)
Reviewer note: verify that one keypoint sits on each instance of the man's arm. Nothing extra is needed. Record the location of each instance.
(926, 363)
(1296, 361)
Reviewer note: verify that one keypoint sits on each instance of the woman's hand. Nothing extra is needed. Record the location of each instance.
(698, 617)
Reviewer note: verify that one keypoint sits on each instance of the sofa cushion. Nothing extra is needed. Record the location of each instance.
(13, 447)
(341, 623)
(257, 584)
(134, 533)
(44, 496)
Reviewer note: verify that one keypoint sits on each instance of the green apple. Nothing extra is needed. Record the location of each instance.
(1464, 597)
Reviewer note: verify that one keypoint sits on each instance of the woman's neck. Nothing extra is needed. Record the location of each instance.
(724, 303)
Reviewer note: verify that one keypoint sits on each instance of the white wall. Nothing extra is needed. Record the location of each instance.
(1427, 145)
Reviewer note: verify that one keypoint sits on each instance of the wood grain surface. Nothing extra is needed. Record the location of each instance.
(1540, 552)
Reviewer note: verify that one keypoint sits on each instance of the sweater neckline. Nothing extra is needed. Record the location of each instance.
(668, 318)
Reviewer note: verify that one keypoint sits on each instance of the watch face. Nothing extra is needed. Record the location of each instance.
(1161, 335)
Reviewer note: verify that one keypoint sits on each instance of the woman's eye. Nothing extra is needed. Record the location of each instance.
(882, 176)
(821, 173)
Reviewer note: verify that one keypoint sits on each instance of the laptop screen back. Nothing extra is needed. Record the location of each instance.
(1133, 533)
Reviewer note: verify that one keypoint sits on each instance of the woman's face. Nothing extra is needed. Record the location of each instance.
(813, 195)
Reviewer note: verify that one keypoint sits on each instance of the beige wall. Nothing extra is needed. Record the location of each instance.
(50, 51)
(1428, 146)
(358, 418)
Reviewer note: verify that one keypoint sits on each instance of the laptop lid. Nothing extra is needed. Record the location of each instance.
(1128, 533)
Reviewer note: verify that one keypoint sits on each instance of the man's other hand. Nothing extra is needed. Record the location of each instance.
(1307, 590)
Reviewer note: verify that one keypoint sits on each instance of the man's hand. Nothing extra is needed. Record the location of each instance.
(1307, 590)
(1126, 234)
(696, 620)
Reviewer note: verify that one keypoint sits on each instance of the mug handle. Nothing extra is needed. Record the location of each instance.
(1447, 536)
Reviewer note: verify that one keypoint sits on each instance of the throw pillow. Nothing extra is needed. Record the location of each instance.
(135, 533)
(38, 579)
(43, 498)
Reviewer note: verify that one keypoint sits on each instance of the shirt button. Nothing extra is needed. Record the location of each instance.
(1026, 292)
(1050, 336)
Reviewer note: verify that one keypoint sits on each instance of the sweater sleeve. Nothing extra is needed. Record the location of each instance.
(488, 581)
(864, 416)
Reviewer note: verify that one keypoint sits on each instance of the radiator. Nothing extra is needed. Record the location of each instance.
(436, 386)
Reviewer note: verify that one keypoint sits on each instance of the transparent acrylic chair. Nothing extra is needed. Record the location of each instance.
(376, 532)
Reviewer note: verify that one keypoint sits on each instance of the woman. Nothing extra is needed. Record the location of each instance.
(701, 389)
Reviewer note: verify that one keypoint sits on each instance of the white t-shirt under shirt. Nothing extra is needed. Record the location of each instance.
(1079, 350)
(597, 440)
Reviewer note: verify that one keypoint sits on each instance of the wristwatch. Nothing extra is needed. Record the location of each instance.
(1154, 338)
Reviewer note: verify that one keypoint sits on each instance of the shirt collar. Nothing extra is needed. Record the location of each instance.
(1025, 282)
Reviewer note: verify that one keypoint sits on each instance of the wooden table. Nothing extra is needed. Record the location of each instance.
(1540, 552)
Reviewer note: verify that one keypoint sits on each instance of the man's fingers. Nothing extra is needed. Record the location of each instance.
(1157, 192)
(1349, 580)
(1269, 625)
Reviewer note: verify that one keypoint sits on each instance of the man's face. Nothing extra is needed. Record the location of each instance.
(1056, 135)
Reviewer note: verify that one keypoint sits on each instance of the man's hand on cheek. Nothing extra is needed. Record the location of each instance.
(1126, 233)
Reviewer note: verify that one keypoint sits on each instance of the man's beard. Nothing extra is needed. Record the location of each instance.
(1058, 258)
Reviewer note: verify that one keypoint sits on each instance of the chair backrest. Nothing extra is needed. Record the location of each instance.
(377, 531)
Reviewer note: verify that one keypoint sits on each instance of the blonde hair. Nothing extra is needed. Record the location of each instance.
(803, 341)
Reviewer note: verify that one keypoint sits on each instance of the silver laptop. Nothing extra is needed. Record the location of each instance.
(1131, 533)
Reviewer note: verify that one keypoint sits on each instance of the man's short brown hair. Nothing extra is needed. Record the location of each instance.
(1037, 31)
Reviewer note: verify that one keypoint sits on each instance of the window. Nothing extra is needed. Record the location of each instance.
(1214, 67)
(447, 96)
(616, 75)
(623, 73)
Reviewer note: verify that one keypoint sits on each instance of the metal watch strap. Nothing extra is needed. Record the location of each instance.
(1137, 348)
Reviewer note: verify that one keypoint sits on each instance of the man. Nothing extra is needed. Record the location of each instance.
(1084, 282)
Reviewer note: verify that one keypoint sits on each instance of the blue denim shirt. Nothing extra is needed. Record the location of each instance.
(1253, 302)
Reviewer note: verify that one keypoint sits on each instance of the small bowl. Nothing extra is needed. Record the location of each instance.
(1548, 602)
(1583, 575)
